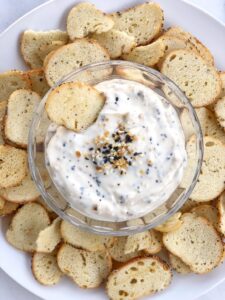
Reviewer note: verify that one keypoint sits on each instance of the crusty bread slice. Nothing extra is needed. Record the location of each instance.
(2, 203)
(211, 179)
(38, 81)
(137, 242)
(13, 166)
(33, 41)
(11, 81)
(45, 268)
(21, 106)
(25, 192)
(147, 55)
(174, 43)
(117, 251)
(221, 210)
(178, 265)
(156, 242)
(25, 226)
(203, 50)
(208, 212)
(84, 18)
(196, 243)
(74, 105)
(115, 42)
(83, 239)
(208, 122)
(49, 237)
(199, 81)
(8, 208)
(138, 278)
(173, 223)
(71, 57)
(87, 269)
(219, 109)
(144, 22)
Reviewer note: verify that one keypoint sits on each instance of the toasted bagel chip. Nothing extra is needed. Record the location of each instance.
(84, 18)
(45, 268)
(25, 226)
(196, 243)
(210, 182)
(87, 269)
(13, 164)
(144, 22)
(199, 81)
(74, 105)
(139, 277)
(70, 57)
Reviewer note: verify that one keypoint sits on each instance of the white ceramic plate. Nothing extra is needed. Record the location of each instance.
(52, 15)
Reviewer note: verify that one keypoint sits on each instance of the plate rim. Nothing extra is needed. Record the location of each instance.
(30, 12)
(195, 6)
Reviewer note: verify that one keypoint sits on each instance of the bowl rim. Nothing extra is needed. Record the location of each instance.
(103, 230)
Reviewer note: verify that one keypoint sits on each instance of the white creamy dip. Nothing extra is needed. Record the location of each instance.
(126, 163)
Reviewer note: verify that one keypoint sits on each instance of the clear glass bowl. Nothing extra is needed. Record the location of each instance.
(93, 74)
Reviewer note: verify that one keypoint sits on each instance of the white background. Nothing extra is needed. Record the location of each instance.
(10, 10)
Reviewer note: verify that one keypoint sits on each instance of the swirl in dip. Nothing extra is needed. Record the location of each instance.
(126, 163)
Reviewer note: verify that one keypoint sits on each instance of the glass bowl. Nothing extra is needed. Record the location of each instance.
(93, 74)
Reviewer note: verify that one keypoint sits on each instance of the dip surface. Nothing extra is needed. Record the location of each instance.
(126, 163)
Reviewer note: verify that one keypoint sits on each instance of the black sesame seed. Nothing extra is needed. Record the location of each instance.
(128, 139)
(137, 153)
(107, 151)
(140, 94)
(64, 144)
(116, 157)
(95, 207)
(90, 149)
(73, 168)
